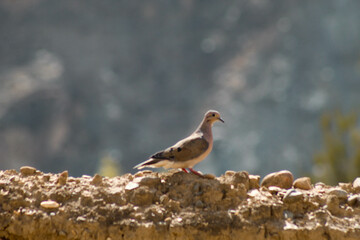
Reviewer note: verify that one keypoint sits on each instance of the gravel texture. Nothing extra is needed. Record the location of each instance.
(171, 205)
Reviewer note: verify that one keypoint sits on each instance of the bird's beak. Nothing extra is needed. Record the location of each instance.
(221, 120)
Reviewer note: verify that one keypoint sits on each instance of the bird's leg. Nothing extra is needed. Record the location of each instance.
(184, 170)
(195, 172)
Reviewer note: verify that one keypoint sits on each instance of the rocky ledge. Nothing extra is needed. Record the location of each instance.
(175, 205)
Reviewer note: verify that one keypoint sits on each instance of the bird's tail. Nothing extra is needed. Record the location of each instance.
(148, 163)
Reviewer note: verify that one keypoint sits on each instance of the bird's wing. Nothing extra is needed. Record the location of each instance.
(184, 150)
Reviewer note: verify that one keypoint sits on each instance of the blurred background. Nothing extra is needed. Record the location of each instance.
(98, 86)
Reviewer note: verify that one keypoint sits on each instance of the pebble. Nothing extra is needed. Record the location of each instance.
(81, 219)
(293, 196)
(346, 186)
(356, 184)
(142, 173)
(274, 190)
(131, 186)
(97, 180)
(319, 185)
(14, 179)
(63, 178)
(27, 171)
(167, 220)
(49, 204)
(254, 181)
(10, 172)
(332, 204)
(230, 173)
(46, 177)
(209, 176)
(281, 179)
(253, 193)
(341, 194)
(147, 181)
(302, 183)
(354, 200)
(139, 174)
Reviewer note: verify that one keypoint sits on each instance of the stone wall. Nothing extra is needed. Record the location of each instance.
(173, 205)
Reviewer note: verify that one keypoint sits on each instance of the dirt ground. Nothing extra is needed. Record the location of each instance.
(171, 205)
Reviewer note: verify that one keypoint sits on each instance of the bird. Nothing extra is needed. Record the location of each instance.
(189, 151)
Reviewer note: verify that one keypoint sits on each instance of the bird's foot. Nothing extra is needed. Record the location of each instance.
(185, 170)
(195, 172)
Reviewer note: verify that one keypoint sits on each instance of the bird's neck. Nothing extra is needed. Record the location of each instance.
(205, 128)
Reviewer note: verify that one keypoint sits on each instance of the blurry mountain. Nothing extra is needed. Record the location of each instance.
(80, 78)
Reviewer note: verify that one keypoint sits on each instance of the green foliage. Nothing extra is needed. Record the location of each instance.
(339, 159)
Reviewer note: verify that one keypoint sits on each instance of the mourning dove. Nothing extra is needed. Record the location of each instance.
(189, 151)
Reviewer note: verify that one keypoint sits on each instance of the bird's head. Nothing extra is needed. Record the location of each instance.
(212, 116)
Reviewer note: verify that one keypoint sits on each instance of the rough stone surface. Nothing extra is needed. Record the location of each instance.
(302, 183)
(281, 179)
(209, 176)
(333, 204)
(273, 190)
(254, 181)
(26, 170)
(293, 196)
(342, 195)
(235, 178)
(354, 200)
(170, 205)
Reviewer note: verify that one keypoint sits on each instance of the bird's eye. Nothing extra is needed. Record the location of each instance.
(213, 114)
